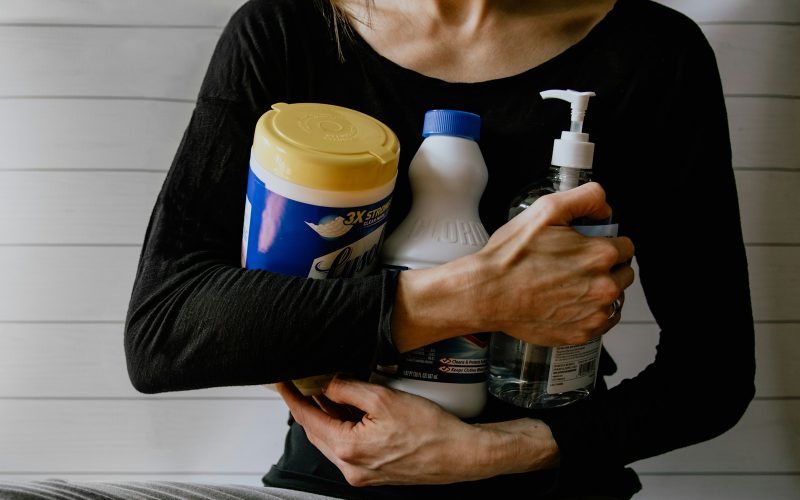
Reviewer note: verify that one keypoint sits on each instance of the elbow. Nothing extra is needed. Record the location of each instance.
(735, 401)
(725, 409)
(145, 376)
(146, 373)
(144, 383)
(739, 403)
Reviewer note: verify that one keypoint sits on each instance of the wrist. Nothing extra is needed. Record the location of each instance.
(430, 305)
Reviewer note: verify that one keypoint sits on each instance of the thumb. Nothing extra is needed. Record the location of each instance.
(356, 393)
(586, 200)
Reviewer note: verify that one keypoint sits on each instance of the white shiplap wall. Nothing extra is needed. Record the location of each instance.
(94, 96)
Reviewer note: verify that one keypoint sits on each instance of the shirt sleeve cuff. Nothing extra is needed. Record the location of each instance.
(386, 352)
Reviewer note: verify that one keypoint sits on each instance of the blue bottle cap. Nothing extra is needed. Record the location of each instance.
(452, 122)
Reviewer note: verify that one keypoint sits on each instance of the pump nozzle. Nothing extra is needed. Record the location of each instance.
(578, 102)
(573, 149)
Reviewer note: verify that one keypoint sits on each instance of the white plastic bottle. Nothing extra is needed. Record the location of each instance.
(534, 376)
(448, 175)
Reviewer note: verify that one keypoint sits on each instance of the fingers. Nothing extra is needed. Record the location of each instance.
(344, 400)
(299, 405)
(331, 408)
(303, 411)
(623, 276)
(336, 410)
(289, 393)
(624, 247)
(362, 395)
(321, 429)
(587, 200)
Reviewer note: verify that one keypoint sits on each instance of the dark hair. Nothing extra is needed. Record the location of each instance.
(339, 21)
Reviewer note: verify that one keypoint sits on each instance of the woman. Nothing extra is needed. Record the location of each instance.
(663, 159)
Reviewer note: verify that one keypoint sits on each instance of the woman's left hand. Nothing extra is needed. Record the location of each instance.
(400, 438)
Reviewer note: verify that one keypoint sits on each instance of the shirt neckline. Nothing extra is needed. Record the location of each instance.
(567, 54)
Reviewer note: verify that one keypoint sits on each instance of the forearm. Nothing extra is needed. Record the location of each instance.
(197, 319)
(429, 306)
(481, 451)
(219, 325)
(670, 405)
(536, 279)
(516, 446)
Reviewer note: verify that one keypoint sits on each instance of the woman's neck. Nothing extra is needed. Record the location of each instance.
(473, 40)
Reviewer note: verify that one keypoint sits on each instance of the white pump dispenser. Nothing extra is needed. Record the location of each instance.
(579, 101)
(573, 149)
(534, 376)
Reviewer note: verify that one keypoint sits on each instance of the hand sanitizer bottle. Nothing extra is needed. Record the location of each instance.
(448, 175)
(532, 376)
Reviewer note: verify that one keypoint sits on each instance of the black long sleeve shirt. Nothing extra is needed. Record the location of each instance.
(197, 319)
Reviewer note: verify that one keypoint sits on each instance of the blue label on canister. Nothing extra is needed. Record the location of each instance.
(287, 236)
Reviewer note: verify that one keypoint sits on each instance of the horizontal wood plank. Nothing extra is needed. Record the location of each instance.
(119, 12)
(161, 436)
(774, 282)
(719, 487)
(777, 352)
(633, 347)
(76, 207)
(769, 206)
(80, 361)
(123, 62)
(103, 134)
(765, 440)
(66, 283)
(757, 59)
(737, 11)
(764, 131)
(170, 63)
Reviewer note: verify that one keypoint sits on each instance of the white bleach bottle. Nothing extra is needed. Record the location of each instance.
(532, 376)
(448, 175)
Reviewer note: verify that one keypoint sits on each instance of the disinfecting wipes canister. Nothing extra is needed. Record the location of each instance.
(318, 195)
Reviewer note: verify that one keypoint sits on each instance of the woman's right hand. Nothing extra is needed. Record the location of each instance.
(393, 437)
(537, 279)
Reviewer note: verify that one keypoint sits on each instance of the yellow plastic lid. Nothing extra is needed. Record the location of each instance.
(326, 147)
